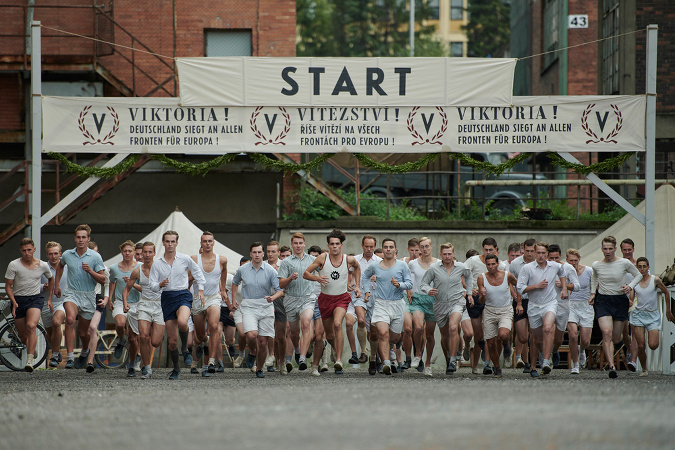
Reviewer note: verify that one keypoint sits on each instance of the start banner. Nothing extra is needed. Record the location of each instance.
(256, 81)
(160, 125)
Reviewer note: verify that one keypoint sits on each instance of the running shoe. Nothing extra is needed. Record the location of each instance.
(269, 368)
(55, 360)
(199, 351)
(297, 358)
(451, 368)
(137, 363)
(546, 367)
(556, 359)
(119, 348)
(238, 361)
(575, 369)
(194, 371)
(508, 353)
(394, 369)
(392, 355)
(474, 371)
(146, 375)
(28, 367)
(386, 369)
(81, 360)
(415, 362)
(187, 359)
(90, 368)
(520, 363)
(259, 374)
(428, 372)
(250, 361)
(302, 365)
(526, 367)
(211, 368)
(407, 364)
(324, 367)
(289, 367)
(362, 359)
(487, 368)
(70, 364)
(221, 367)
(632, 366)
(644, 373)
(283, 370)
(534, 373)
(269, 361)
(466, 354)
(315, 372)
(420, 367)
(354, 359)
(497, 372)
(372, 368)
(613, 373)
(174, 374)
(205, 372)
(582, 358)
(338, 367)
(131, 372)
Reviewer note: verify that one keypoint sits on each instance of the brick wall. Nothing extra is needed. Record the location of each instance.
(12, 103)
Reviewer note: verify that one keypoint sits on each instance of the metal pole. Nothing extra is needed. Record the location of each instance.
(412, 28)
(36, 136)
(650, 133)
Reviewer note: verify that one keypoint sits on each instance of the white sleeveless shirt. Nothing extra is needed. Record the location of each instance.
(212, 286)
(497, 296)
(337, 276)
(646, 298)
(147, 293)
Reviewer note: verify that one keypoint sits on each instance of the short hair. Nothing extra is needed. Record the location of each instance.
(83, 227)
(26, 241)
(271, 244)
(388, 240)
(424, 238)
(489, 241)
(92, 245)
(149, 244)
(446, 245)
(284, 248)
(630, 242)
(245, 259)
(51, 244)
(514, 247)
(377, 250)
(414, 242)
(336, 234)
(256, 244)
(529, 242)
(139, 245)
(368, 236)
(554, 248)
(208, 233)
(469, 253)
(170, 233)
(127, 243)
(609, 239)
(492, 256)
(297, 236)
(642, 259)
(541, 244)
(315, 249)
(573, 251)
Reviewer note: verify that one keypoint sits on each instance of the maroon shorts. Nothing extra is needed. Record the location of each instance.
(328, 303)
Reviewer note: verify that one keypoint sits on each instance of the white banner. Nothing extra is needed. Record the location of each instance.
(157, 125)
(253, 81)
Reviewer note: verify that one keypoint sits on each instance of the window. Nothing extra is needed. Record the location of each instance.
(610, 47)
(457, 49)
(550, 32)
(227, 43)
(456, 9)
(433, 9)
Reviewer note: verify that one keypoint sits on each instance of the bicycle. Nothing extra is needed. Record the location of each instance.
(105, 351)
(13, 352)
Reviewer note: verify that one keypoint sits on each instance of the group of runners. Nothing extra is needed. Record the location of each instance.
(287, 303)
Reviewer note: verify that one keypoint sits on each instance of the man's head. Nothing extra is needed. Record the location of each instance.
(93, 246)
(541, 252)
(492, 263)
(284, 252)
(425, 247)
(53, 250)
(513, 251)
(573, 257)
(138, 251)
(272, 249)
(244, 260)
(335, 239)
(207, 242)
(554, 252)
(470, 253)
(314, 250)
(148, 251)
(298, 244)
(627, 248)
(489, 246)
(388, 249)
(27, 247)
(256, 252)
(642, 265)
(368, 243)
(528, 250)
(414, 248)
(447, 253)
(82, 236)
(170, 241)
(127, 249)
(608, 247)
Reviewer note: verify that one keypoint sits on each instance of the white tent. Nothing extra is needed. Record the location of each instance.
(189, 236)
(629, 227)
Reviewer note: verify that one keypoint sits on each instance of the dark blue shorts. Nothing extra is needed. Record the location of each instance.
(27, 302)
(173, 300)
(517, 317)
(476, 310)
(317, 313)
(611, 305)
(225, 317)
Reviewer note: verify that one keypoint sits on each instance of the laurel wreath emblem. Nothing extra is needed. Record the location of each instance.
(594, 137)
(90, 138)
(264, 140)
(435, 138)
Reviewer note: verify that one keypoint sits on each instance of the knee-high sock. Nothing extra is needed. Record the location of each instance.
(183, 340)
(362, 336)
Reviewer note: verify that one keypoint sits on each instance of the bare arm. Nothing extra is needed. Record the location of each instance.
(10, 293)
(659, 284)
(317, 264)
(351, 261)
(222, 284)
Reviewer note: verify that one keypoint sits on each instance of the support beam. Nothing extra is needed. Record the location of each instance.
(81, 189)
(36, 137)
(650, 138)
(611, 193)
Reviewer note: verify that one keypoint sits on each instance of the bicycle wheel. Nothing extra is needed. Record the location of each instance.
(105, 352)
(12, 350)
(41, 346)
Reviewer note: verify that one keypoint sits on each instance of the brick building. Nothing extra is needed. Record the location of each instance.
(75, 65)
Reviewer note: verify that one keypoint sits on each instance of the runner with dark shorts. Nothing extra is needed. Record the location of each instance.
(521, 326)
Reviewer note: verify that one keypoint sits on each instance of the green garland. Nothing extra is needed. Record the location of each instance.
(204, 167)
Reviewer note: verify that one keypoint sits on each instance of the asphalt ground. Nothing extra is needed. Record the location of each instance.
(73, 409)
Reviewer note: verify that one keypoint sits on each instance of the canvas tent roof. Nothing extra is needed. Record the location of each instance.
(189, 236)
(629, 227)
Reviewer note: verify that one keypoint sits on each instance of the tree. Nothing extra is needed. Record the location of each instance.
(362, 28)
(488, 29)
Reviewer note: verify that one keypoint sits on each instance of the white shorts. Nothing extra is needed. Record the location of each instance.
(118, 308)
(150, 311)
(581, 313)
(443, 310)
(209, 301)
(494, 318)
(535, 313)
(651, 320)
(85, 301)
(191, 324)
(258, 315)
(47, 314)
(465, 315)
(132, 317)
(295, 306)
(391, 312)
(351, 310)
(358, 301)
(237, 316)
(562, 315)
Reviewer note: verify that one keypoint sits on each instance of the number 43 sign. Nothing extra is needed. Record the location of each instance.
(577, 21)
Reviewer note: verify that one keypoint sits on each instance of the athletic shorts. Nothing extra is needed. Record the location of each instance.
(150, 311)
(477, 309)
(118, 308)
(494, 318)
(317, 313)
(85, 301)
(328, 303)
(173, 300)
(443, 311)
(536, 313)
(517, 317)
(391, 312)
(351, 310)
(465, 315)
(191, 324)
(258, 315)
(238, 316)
(27, 302)
(47, 314)
(358, 301)
(132, 317)
(581, 313)
(295, 306)
(209, 301)
(279, 310)
(615, 306)
(651, 320)
(562, 315)
(423, 303)
(225, 317)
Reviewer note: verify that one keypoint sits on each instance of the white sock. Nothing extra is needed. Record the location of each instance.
(387, 362)
(70, 356)
(212, 361)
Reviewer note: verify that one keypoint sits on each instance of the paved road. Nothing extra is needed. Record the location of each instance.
(72, 409)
